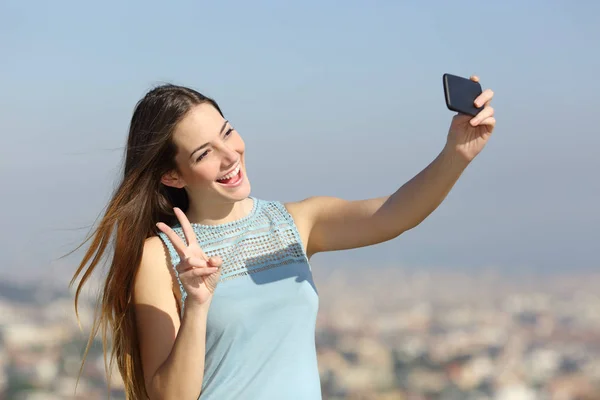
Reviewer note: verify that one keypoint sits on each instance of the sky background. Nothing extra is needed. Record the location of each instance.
(339, 98)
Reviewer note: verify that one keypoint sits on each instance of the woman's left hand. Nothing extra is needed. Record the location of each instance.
(468, 135)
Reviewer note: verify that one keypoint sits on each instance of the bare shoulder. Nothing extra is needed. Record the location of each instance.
(154, 272)
(306, 211)
(330, 223)
(297, 210)
(156, 309)
(303, 211)
(305, 214)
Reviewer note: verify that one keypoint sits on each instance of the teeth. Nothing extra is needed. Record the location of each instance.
(231, 174)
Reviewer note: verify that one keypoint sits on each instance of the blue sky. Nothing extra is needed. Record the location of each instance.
(332, 98)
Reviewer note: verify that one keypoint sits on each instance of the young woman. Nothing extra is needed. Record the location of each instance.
(210, 292)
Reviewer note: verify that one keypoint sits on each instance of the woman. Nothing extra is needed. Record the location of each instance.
(210, 291)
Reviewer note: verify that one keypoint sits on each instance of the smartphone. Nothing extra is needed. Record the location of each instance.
(460, 94)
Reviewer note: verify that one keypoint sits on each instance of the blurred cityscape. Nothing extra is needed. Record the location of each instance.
(384, 333)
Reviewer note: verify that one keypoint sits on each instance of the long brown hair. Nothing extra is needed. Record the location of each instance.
(139, 202)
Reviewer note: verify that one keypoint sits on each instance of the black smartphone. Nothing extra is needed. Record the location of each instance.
(460, 94)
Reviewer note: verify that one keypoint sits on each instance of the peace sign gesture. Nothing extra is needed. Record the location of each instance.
(198, 274)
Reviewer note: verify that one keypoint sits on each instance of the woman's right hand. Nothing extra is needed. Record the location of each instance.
(199, 274)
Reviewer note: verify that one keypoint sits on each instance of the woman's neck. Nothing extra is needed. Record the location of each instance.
(219, 213)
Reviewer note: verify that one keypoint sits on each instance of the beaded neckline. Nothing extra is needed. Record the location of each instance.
(237, 222)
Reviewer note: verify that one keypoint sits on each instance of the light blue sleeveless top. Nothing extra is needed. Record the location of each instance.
(260, 335)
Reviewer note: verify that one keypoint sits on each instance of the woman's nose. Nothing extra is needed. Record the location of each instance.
(230, 156)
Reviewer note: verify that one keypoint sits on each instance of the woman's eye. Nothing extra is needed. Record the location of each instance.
(228, 132)
(201, 156)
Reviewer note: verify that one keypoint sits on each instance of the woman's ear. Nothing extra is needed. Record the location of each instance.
(172, 179)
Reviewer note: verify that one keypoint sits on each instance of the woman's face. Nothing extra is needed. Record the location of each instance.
(210, 158)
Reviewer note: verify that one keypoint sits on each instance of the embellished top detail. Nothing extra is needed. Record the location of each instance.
(260, 340)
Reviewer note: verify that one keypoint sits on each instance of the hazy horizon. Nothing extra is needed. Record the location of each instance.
(312, 86)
